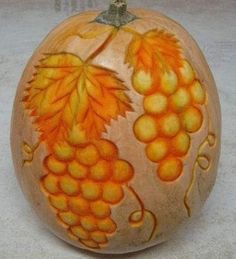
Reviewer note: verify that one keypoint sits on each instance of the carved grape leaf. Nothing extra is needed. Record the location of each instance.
(154, 49)
(66, 92)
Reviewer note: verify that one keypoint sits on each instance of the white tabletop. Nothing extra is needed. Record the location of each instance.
(23, 24)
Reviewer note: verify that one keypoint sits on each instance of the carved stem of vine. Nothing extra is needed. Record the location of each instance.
(142, 208)
(30, 152)
(193, 178)
(192, 181)
(143, 211)
(103, 46)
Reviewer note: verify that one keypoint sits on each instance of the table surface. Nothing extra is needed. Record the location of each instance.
(23, 24)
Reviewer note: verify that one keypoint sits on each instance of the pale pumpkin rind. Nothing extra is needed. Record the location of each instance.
(71, 98)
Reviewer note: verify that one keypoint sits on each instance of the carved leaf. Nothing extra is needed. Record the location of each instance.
(66, 92)
(154, 49)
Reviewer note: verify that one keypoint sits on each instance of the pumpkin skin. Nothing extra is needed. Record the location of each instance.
(116, 132)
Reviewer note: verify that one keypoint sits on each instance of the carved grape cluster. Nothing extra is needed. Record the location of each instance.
(82, 182)
(171, 115)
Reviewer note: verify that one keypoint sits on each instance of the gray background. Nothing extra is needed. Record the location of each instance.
(23, 24)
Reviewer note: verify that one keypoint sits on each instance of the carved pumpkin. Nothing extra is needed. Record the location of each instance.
(116, 129)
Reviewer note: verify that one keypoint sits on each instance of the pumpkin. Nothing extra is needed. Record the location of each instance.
(116, 129)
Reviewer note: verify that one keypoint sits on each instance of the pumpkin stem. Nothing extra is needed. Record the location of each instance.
(117, 14)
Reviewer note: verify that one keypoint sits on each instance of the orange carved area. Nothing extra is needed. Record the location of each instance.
(68, 96)
(71, 102)
(172, 100)
(82, 185)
